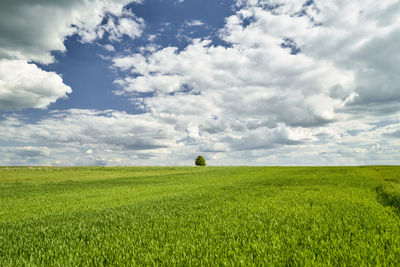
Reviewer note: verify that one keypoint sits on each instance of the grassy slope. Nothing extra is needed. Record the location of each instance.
(224, 215)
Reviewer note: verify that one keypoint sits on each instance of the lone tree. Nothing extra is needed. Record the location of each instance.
(200, 161)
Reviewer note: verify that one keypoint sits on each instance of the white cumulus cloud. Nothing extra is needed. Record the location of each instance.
(24, 85)
(31, 30)
(292, 72)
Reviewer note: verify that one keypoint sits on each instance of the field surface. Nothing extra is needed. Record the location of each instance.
(200, 216)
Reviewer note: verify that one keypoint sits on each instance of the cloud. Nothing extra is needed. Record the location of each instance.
(116, 130)
(24, 85)
(142, 84)
(71, 137)
(395, 134)
(291, 74)
(133, 139)
(194, 22)
(109, 47)
(240, 82)
(78, 133)
(31, 31)
(24, 155)
(125, 24)
(30, 152)
(362, 40)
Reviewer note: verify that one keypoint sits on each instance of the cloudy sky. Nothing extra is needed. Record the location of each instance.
(158, 82)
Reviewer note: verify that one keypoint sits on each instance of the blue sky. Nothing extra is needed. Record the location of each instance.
(242, 82)
(84, 68)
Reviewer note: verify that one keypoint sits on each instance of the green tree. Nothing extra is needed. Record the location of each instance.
(200, 161)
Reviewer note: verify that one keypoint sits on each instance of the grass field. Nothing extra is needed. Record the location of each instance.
(200, 216)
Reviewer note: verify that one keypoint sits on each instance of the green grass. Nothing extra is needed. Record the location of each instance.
(200, 216)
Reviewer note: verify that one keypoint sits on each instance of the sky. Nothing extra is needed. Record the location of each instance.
(158, 82)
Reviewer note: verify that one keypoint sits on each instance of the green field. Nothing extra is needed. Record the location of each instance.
(200, 216)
